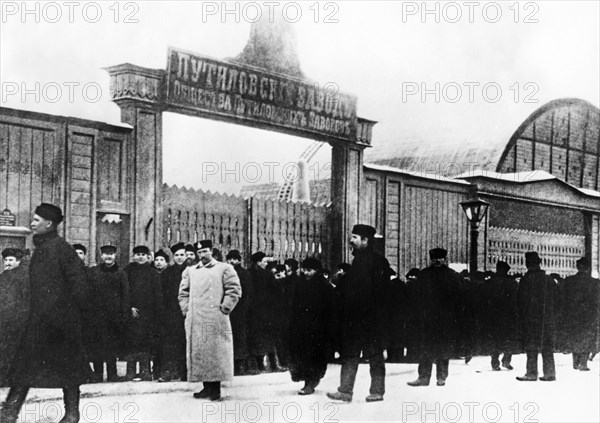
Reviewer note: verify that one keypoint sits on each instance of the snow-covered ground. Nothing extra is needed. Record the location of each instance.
(473, 393)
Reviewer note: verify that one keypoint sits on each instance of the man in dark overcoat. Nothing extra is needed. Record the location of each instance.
(239, 315)
(51, 353)
(581, 313)
(110, 310)
(88, 319)
(14, 307)
(363, 313)
(499, 310)
(263, 317)
(143, 327)
(439, 297)
(537, 300)
(309, 326)
(173, 364)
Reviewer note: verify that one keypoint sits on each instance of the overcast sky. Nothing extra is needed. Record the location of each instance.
(385, 53)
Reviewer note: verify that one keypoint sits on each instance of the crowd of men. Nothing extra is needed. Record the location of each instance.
(190, 315)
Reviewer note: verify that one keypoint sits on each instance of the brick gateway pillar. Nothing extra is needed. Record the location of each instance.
(136, 91)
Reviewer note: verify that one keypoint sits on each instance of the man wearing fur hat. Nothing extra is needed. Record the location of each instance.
(143, 330)
(51, 354)
(440, 306)
(537, 301)
(309, 330)
(499, 301)
(14, 306)
(239, 315)
(207, 295)
(161, 261)
(110, 310)
(173, 345)
(263, 315)
(580, 296)
(363, 312)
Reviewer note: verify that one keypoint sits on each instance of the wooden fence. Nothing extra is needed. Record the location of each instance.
(278, 228)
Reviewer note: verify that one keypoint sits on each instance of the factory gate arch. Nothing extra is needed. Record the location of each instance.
(243, 94)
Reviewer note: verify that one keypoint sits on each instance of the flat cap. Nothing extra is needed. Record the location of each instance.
(141, 249)
(364, 231)
(108, 249)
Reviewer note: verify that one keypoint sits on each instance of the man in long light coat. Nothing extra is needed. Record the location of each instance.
(208, 293)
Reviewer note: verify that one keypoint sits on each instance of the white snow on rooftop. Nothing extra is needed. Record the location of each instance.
(524, 177)
(413, 173)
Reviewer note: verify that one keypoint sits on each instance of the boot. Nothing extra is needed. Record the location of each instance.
(12, 406)
(274, 363)
(130, 370)
(260, 363)
(111, 370)
(145, 373)
(71, 398)
(98, 371)
(309, 387)
(204, 393)
(214, 390)
(340, 396)
(418, 382)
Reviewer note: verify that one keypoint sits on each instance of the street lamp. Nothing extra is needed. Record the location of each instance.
(475, 211)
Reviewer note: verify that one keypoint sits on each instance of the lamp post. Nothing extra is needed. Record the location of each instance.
(475, 211)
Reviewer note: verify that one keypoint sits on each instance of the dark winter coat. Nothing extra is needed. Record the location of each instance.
(499, 314)
(145, 294)
(538, 303)
(438, 292)
(110, 310)
(239, 315)
(310, 328)
(396, 336)
(580, 299)
(14, 309)
(263, 313)
(51, 354)
(173, 328)
(363, 300)
(413, 320)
